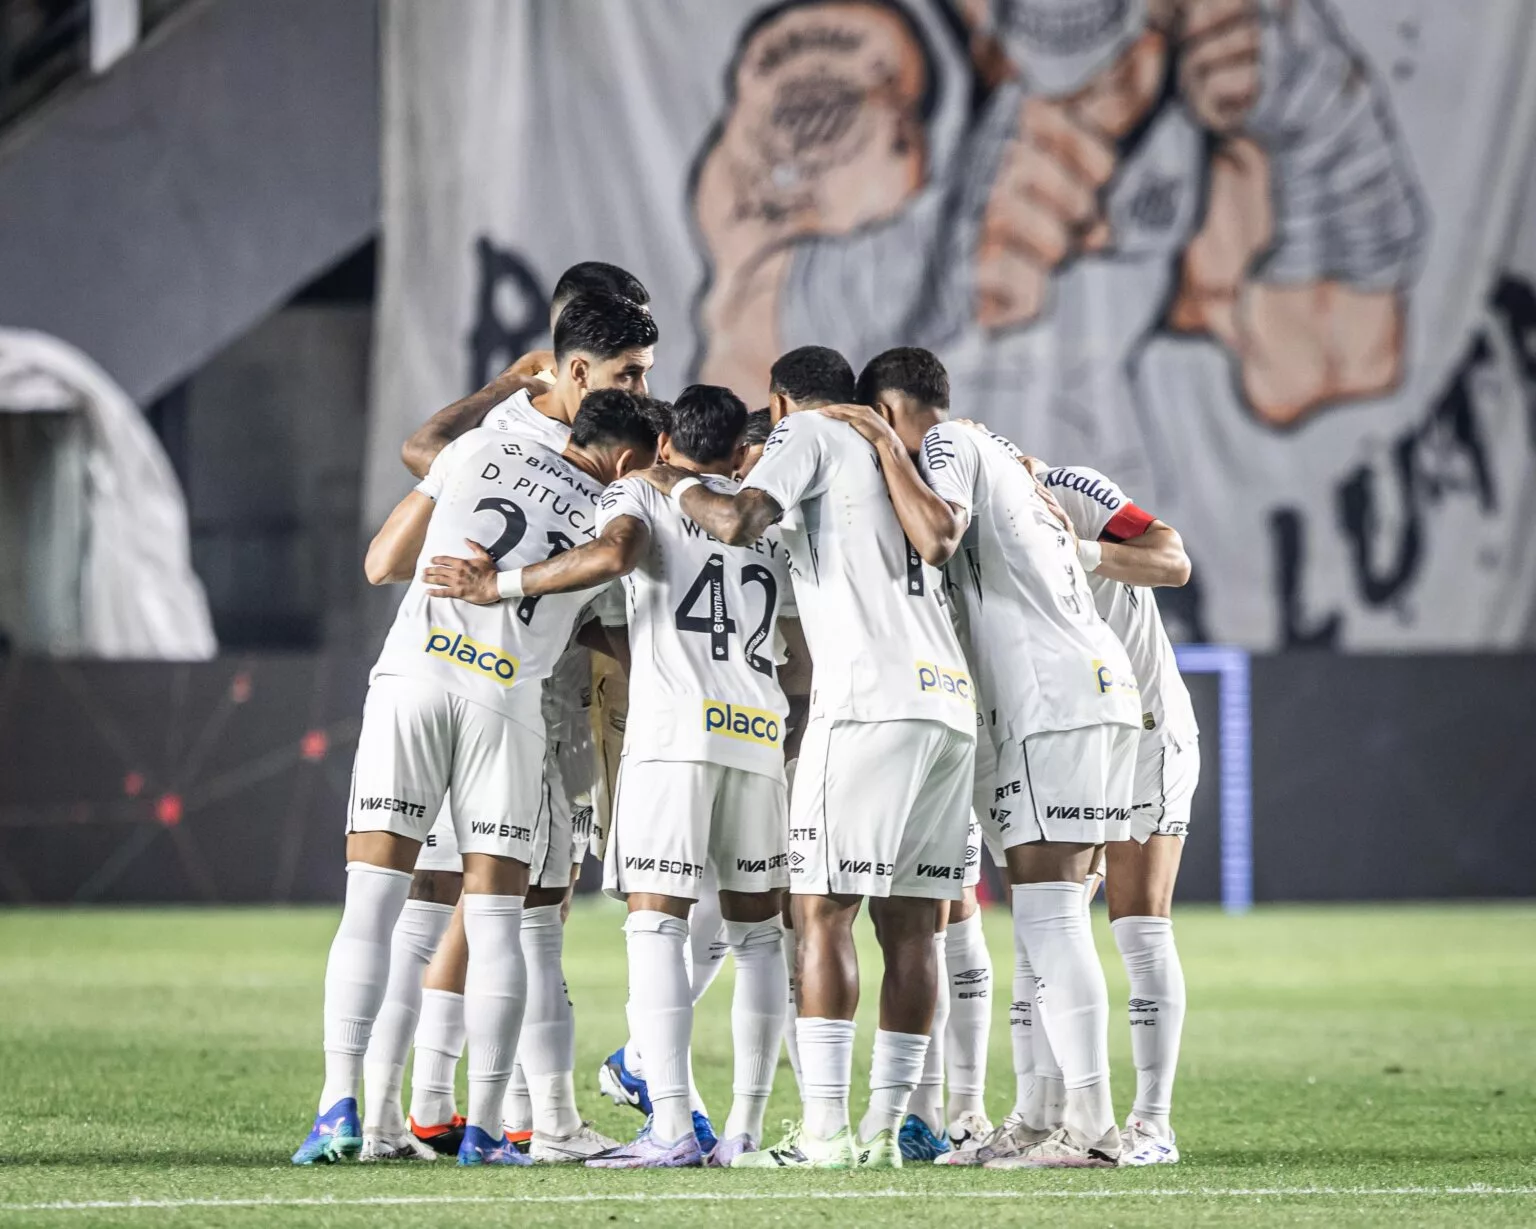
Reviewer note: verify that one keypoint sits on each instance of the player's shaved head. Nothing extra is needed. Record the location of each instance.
(595, 277)
(812, 376)
(909, 371)
(707, 422)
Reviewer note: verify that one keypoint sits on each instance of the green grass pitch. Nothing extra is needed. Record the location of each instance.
(1342, 1066)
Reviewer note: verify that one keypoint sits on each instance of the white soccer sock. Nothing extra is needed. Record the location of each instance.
(1048, 1097)
(439, 1043)
(495, 992)
(356, 973)
(893, 1074)
(826, 1071)
(968, 969)
(757, 1020)
(1156, 1010)
(517, 1109)
(1053, 928)
(927, 1100)
(417, 934)
(1021, 1031)
(661, 1015)
(791, 1046)
(707, 943)
(547, 1045)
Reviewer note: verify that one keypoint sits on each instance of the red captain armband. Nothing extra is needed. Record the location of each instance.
(1129, 522)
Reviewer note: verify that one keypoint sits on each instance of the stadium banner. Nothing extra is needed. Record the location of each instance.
(1270, 264)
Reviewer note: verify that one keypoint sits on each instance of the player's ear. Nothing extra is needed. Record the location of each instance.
(739, 457)
(664, 448)
(886, 411)
(625, 462)
(581, 372)
(778, 406)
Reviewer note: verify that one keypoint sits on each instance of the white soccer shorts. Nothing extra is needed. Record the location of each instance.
(881, 808)
(418, 742)
(675, 819)
(1073, 786)
(1165, 789)
(440, 851)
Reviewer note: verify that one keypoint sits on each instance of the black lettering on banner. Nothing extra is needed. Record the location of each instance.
(558, 545)
(514, 524)
(496, 340)
(756, 573)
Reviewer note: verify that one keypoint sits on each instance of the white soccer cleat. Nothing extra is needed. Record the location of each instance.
(1141, 1146)
(394, 1147)
(582, 1145)
(1062, 1150)
(1009, 1139)
(968, 1130)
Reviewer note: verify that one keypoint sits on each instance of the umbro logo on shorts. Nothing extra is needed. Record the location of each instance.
(935, 678)
(470, 655)
(1108, 680)
(752, 725)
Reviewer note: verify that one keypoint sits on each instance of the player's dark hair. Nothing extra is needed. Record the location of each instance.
(602, 326)
(812, 375)
(707, 422)
(611, 417)
(658, 411)
(596, 277)
(910, 370)
(759, 424)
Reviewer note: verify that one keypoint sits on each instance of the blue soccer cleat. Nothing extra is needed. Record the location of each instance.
(482, 1148)
(919, 1143)
(621, 1086)
(337, 1135)
(704, 1132)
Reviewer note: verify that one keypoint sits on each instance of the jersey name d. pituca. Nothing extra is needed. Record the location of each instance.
(1100, 509)
(1048, 660)
(874, 613)
(702, 616)
(517, 415)
(524, 503)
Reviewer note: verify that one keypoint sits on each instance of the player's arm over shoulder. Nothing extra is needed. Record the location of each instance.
(465, 414)
(1133, 546)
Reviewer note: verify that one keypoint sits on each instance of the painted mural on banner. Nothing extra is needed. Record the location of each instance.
(1271, 264)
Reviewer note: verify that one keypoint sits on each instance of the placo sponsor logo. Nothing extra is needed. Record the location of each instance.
(482, 659)
(750, 725)
(936, 678)
(1107, 680)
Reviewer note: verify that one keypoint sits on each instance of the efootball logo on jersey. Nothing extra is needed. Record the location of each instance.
(751, 725)
(471, 655)
(1107, 680)
(933, 678)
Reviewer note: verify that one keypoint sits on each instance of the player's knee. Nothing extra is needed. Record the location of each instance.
(437, 887)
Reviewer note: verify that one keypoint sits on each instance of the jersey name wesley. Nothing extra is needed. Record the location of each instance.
(1048, 660)
(1099, 508)
(523, 502)
(702, 617)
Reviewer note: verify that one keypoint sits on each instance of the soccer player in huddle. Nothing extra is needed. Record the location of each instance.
(454, 704)
(885, 770)
(1064, 714)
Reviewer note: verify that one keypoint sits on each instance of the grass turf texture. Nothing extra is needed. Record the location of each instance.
(1369, 1061)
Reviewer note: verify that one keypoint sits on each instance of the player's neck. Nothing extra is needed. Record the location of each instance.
(561, 401)
(585, 462)
(723, 468)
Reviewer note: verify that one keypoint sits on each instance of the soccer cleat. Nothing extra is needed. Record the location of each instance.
(521, 1140)
(645, 1151)
(581, 1145)
(1140, 1146)
(725, 1152)
(337, 1135)
(482, 1148)
(443, 1138)
(968, 1130)
(704, 1132)
(918, 1142)
(801, 1150)
(1062, 1150)
(882, 1152)
(1011, 1138)
(621, 1086)
(402, 1146)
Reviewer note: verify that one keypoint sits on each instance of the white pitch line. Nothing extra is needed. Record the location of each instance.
(389, 1201)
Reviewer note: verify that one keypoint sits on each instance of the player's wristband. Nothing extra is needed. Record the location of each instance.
(686, 485)
(1090, 554)
(510, 583)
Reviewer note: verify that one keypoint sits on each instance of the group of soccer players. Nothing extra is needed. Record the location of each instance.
(840, 659)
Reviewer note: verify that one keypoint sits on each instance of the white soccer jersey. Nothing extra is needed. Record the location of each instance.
(703, 684)
(1100, 509)
(874, 613)
(1048, 661)
(524, 503)
(517, 415)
